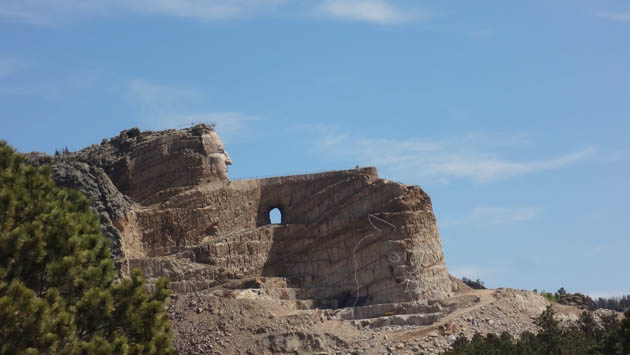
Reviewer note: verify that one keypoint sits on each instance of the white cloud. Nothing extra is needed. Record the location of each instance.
(441, 160)
(617, 16)
(492, 215)
(227, 123)
(164, 107)
(373, 11)
(489, 168)
(48, 12)
(202, 9)
(55, 12)
(504, 215)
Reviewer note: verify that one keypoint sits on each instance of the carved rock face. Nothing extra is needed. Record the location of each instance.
(343, 233)
(157, 163)
(219, 158)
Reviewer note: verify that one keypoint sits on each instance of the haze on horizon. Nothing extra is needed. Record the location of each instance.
(513, 117)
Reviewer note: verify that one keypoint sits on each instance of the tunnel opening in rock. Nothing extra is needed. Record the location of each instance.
(347, 299)
(275, 216)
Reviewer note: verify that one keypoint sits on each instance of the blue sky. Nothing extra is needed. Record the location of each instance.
(514, 117)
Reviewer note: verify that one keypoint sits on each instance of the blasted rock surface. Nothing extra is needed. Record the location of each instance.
(166, 202)
(355, 266)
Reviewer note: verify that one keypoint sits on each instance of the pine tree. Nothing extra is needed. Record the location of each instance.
(58, 292)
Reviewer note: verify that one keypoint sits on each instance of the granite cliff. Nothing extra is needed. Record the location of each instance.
(354, 258)
(167, 204)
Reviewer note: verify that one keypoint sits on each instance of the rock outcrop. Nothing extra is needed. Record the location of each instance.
(166, 202)
(354, 266)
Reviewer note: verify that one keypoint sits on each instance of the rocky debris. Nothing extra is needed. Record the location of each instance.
(261, 324)
(575, 299)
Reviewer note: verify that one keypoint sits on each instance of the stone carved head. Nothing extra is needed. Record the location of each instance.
(158, 161)
(219, 158)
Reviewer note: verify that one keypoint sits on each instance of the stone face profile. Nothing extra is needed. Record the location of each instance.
(166, 202)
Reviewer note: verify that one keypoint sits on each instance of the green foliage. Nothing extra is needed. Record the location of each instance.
(548, 295)
(561, 296)
(586, 337)
(58, 292)
(618, 304)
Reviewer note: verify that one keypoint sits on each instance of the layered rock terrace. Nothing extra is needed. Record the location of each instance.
(346, 237)
(354, 266)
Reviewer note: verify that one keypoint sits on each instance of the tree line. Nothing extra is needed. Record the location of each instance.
(58, 288)
(474, 284)
(585, 337)
(619, 304)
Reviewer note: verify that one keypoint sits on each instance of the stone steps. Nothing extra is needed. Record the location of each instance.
(400, 320)
(191, 286)
(274, 288)
(301, 294)
(389, 309)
